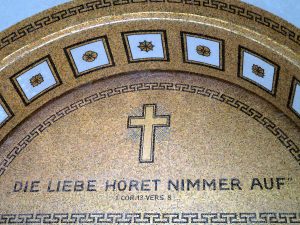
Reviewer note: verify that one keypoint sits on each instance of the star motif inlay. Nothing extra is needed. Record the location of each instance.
(146, 46)
(90, 56)
(203, 50)
(257, 70)
(36, 80)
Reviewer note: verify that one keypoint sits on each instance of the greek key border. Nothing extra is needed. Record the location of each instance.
(267, 123)
(99, 4)
(153, 218)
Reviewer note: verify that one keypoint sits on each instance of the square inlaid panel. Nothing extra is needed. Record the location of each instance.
(5, 112)
(258, 70)
(294, 101)
(90, 55)
(146, 46)
(203, 50)
(36, 79)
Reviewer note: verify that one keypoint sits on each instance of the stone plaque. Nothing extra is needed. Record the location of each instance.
(105, 121)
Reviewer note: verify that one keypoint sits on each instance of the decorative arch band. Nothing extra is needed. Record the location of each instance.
(242, 107)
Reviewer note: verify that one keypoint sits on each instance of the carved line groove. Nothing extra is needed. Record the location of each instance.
(98, 4)
(284, 139)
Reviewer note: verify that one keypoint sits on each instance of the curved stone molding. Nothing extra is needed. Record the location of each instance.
(263, 120)
(232, 8)
(79, 42)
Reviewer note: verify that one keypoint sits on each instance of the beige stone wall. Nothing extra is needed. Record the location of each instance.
(148, 122)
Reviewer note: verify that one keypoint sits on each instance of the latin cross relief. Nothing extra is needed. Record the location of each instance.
(148, 123)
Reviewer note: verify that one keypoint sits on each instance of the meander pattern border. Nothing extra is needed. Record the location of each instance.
(153, 218)
(267, 123)
(98, 4)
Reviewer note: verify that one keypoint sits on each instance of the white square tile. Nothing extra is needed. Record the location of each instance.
(258, 70)
(5, 112)
(89, 56)
(295, 101)
(203, 50)
(146, 46)
(3, 115)
(36, 80)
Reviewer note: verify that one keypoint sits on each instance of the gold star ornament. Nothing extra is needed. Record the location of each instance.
(203, 50)
(257, 70)
(90, 56)
(36, 80)
(146, 46)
